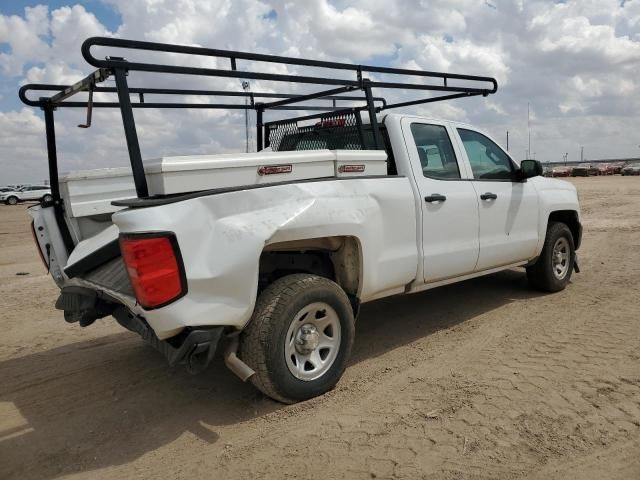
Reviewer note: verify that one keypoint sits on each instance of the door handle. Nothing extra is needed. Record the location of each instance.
(435, 197)
(488, 196)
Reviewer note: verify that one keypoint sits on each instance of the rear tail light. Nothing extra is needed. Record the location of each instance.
(155, 268)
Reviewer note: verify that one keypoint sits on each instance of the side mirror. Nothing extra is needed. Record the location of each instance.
(530, 168)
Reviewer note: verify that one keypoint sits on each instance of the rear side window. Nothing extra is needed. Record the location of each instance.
(488, 161)
(435, 151)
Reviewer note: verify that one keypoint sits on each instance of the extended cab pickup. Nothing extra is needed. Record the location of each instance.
(272, 253)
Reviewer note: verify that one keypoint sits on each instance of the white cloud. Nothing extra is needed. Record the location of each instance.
(22, 145)
(24, 35)
(576, 63)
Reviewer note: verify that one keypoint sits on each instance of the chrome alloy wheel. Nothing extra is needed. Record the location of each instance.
(312, 341)
(560, 258)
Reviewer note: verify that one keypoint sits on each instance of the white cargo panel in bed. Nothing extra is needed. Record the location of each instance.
(89, 193)
(360, 163)
(170, 175)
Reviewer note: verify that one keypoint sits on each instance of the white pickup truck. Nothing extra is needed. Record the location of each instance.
(272, 253)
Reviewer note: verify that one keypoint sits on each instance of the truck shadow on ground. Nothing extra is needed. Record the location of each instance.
(111, 400)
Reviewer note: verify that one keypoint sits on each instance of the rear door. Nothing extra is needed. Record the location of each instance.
(449, 202)
(508, 207)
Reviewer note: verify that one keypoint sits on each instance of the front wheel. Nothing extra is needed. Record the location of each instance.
(299, 338)
(47, 198)
(552, 271)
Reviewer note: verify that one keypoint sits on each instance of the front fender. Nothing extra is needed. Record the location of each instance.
(554, 196)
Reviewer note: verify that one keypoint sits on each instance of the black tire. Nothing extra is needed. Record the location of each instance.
(263, 342)
(47, 198)
(541, 275)
(11, 200)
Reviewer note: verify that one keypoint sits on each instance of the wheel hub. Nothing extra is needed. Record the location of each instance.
(307, 339)
(312, 341)
(560, 258)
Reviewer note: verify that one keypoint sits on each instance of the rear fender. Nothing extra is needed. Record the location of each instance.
(221, 238)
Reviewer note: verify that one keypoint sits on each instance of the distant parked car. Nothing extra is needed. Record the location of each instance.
(563, 171)
(631, 169)
(617, 167)
(585, 170)
(33, 192)
(605, 168)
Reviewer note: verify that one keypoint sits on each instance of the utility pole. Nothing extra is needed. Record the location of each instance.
(507, 140)
(581, 154)
(566, 155)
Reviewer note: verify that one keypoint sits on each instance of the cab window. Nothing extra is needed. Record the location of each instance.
(488, 161)
(435, 151)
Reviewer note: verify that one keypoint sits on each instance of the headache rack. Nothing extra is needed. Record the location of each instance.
(282, 134)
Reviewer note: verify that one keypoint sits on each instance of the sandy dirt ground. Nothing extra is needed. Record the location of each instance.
(483, 379)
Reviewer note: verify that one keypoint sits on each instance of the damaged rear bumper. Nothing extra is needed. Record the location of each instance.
(193, 347)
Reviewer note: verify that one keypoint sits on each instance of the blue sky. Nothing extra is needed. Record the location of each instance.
(107, 14)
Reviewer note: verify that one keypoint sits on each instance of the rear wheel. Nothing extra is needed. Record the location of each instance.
(552, 271)
(11, 200)
(299, 338)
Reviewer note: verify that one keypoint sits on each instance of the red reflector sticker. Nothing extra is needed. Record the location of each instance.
(153, 268)
(338, 122)
(351, 168)
(274, 169)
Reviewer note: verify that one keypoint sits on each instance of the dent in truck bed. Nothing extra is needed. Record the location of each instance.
(113, 276)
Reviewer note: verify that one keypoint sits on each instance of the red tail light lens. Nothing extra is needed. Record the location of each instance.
(155, 268)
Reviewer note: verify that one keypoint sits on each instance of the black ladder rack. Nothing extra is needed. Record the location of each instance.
(336, 89)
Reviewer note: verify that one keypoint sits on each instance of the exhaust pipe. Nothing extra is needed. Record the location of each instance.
(232, 361)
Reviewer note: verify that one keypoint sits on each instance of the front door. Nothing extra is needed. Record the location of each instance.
(30, 193)
(508, 207)
(449, 202)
